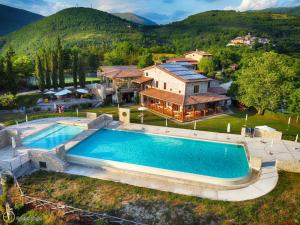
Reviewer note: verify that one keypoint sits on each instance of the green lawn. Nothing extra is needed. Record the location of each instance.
(69, 80)
(281, 206)
(278, 121)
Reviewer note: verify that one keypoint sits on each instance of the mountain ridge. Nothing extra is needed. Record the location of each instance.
(86, 26)
(12, 19)
(136, 19)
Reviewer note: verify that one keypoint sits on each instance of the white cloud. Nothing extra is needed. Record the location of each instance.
(254, 5)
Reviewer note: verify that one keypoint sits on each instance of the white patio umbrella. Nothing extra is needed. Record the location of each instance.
(50, 93)
(63, 92)
(13, 145)
(13, 142)
(142, 109)
(195, 125)
(82, 91)
(228, 127)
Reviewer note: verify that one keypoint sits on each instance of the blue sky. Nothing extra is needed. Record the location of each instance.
(160, 11)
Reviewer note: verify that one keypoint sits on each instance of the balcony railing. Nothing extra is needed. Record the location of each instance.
(185, 115)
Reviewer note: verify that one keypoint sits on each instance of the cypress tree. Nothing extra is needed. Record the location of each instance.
(39, 73)
(60, 58)
(75, 67)
(81, 72)
(47, 69)
(10, 75)
(54, 69)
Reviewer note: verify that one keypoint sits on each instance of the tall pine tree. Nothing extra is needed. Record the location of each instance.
(10, 74)
(47, 69)
(60, 58)
(54, 71)
(39, 73)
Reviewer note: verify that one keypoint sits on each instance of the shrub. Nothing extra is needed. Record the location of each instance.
(7, 101)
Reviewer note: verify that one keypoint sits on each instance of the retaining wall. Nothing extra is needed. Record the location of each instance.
(288, 166)
(53, 162)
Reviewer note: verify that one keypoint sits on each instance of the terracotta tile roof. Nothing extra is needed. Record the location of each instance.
(204, 98)
(181, 99)
(106, 69)
(217, 90)
(142, 80)
(188, 60)
(203, 53)
(163, 95)
(123, 73)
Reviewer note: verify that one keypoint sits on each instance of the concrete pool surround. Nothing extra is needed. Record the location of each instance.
(262, 181)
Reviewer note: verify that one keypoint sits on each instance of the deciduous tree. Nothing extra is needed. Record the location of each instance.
(265, 82)
(206, 65)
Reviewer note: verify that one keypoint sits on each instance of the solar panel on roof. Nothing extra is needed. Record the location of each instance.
(183, 72)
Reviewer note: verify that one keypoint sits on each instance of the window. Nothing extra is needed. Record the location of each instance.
(165, 85)
(179, 92)
(208, 86)
(147, 74)
(171, 89)
(156, 84)
(196, 89)
(43, 165)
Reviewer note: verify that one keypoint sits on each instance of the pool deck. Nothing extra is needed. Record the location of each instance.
(280, 150)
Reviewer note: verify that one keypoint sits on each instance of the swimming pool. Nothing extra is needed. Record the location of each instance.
(52, 136)
(169, 153)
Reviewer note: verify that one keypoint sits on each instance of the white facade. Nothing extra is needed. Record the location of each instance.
(166, 82)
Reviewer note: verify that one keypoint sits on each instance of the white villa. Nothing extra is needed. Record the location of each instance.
(175, 91)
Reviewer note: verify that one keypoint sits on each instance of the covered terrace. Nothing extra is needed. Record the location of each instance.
(183, 108)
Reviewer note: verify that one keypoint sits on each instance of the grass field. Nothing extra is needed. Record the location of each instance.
(278, 121)
(281, 206)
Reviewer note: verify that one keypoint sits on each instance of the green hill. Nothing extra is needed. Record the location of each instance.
(81, 26)
(288, 10)
(135, 19)
(85, 26)
(12, 19)
(218, 27)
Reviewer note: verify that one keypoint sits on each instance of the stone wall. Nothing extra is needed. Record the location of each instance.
(100, 122)
(288, 166)
(174, 85)
(53, 162)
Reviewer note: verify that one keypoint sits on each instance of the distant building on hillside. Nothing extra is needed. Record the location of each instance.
(191, 58)
(248, 40)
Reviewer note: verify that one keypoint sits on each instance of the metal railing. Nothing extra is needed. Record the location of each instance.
(40, 203)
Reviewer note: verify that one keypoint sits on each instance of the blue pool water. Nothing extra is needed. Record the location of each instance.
(52, 136)
(178, 154)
